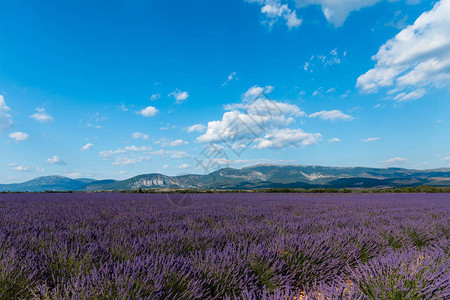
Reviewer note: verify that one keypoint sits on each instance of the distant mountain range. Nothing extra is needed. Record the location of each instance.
(254, 177)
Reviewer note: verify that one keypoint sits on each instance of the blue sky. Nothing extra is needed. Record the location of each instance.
(120, 88)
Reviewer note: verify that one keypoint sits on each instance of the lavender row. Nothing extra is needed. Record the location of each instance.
(225, 246)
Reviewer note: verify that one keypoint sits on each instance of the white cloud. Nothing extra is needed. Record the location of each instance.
(416, 94)
(25, 168)
(122, 107)
(337, 11)
(138, 135)
(239, 125)
(274, 11)
(131, 155)
(324, 60)
(372, 139)
(224, 162)
(334, 140)
(269, 108)
(230, 77)
(246, 122)
(55, 160)
(281, 138)
(73, 174)
(416, 58)
(257, 92)
(332, 115)
(394, 161)
(184, 166)
(345, 95)
(306, 66)
(165, 142)
(93, 125)
(165, 167)
(177, 143)
(125, 161)
(108, 153)
(179, 96)
(155, 97)
(86, 147)
(171, 154)
(123, 172)
(19, 136)
(122, 155)
(196, 127)
(149, 111)
(6, 121)
(41, 116)
(138, 149)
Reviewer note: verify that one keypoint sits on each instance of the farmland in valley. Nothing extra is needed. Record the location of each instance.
(219, 246)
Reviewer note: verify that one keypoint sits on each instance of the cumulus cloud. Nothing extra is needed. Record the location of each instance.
(149, 111)
(281, 138)
(258, 120)
(331, 115)
(196, 127)
(417, 58)
(334, 140)
(55, 160)
(138, 135)
(239, 125)
(19, 136)
(394, 161)
(41, 116)
(256, 92)
(372, 139)
(86, 147)
(180, 96)
(274, 11)
(6, 121)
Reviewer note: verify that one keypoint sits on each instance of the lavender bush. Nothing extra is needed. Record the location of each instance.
(225, 246)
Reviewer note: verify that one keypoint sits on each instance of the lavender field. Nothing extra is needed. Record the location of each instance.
(225, 246)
